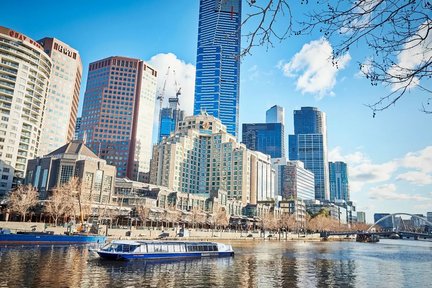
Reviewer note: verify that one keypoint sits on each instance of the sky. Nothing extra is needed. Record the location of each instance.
(389, 156)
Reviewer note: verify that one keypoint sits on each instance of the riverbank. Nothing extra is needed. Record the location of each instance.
(149, 233)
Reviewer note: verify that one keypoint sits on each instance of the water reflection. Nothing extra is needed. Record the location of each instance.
(256, 264)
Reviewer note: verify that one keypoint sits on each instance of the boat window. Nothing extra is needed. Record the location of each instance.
(215, 248)
(150, 248)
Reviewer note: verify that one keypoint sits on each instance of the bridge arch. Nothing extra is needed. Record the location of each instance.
(396, 214)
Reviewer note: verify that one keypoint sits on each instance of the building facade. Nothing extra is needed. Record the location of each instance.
(73, 160)
(217, 78)
(361, 217)
(309, 145)
(25, 70)
(61, 106)
(77, 128)
(267, 138)
(169, 118)
(339, 183)
(118, 111)
(293, 180)
(275, 114)
(202, 157)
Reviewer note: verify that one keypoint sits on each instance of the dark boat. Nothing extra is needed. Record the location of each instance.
(47, 238)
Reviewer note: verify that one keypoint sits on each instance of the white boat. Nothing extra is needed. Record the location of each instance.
(150, 250)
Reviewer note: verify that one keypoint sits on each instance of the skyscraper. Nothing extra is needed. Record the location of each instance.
(266, 138)
(61, 106)
(170, 117)
(339, 184)
(275, 114)
(118, 111)
(25, 70)
(217, 78)
(309, 145)
(269, 137)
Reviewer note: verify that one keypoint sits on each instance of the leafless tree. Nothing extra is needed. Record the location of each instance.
(143, 213)
(396, 33)
(269, 222)
(221, 218)
(288, 221)
(172, 215)
(59, 204)
(197, 216)
(22, 199)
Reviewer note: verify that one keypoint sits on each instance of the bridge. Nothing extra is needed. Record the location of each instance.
(398, 231)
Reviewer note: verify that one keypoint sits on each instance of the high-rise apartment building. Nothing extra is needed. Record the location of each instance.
(269, 137)
(309, 145)
(339, 183)
(293, 181)
(361, 217)
(202, 157)
(217, 78)
(169, 118)
(25, 70)
(61, 106)
(275, 114)
(118, 111)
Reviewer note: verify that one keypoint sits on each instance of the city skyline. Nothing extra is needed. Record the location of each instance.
(387, 155)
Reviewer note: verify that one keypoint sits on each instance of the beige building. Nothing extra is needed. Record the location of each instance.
(61, 107)
(24, 77)
(73, 160)
(201, 157)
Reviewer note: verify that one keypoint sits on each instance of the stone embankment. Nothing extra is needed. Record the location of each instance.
(169, 233)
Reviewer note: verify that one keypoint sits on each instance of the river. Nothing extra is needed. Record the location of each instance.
(389, 263)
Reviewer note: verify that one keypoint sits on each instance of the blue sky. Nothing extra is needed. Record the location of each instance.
(389, 156)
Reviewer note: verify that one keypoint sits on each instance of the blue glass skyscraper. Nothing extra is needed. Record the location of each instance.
(339, 184)
(265, 137)
(169, 118)
(309, 145)
(218, 66)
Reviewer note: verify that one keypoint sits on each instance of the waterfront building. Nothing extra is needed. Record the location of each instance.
(293, 181)
(25, 70)
(361, 217)
(337, 212)
(217, 81)
(339, 183)
(169, 118)
(72, 160)
(77, 128)
(275, 114)
(118, 111)
(61, 106)
(309, 145)
(429, 216)
(296, 207)
(201, 157)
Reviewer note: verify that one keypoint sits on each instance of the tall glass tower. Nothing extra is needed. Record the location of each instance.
(339, 184)
(309, 145)
(218, 67)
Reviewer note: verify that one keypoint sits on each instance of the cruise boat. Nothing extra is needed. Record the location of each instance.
(151, 250)
(47, 238)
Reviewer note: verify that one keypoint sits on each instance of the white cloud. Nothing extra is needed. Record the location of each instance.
(419, 160)
(416, 52)
(416, 177)
(365, 68)
(184, 76)
(253, 73)
(314, 68)
(388, 192)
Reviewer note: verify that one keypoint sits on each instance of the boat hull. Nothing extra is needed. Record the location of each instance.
(159, 256)
(51, 239)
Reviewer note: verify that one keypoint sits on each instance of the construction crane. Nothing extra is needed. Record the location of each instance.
(162, 93)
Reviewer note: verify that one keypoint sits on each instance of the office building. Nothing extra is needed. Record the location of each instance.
(118, 111)
(309, 145)
(73, 160)
(267, 138)
(339, 184)
(386, 224)
(201, 157)
(361, 217)
(25, 70)
(275, 114)
(217, 81)
(293, 181)
(77, 128)
(61, 107)
(169, 118)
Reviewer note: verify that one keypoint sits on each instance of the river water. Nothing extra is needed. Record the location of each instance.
(389, 263)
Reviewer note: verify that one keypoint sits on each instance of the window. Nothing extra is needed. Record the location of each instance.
(66, 173)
